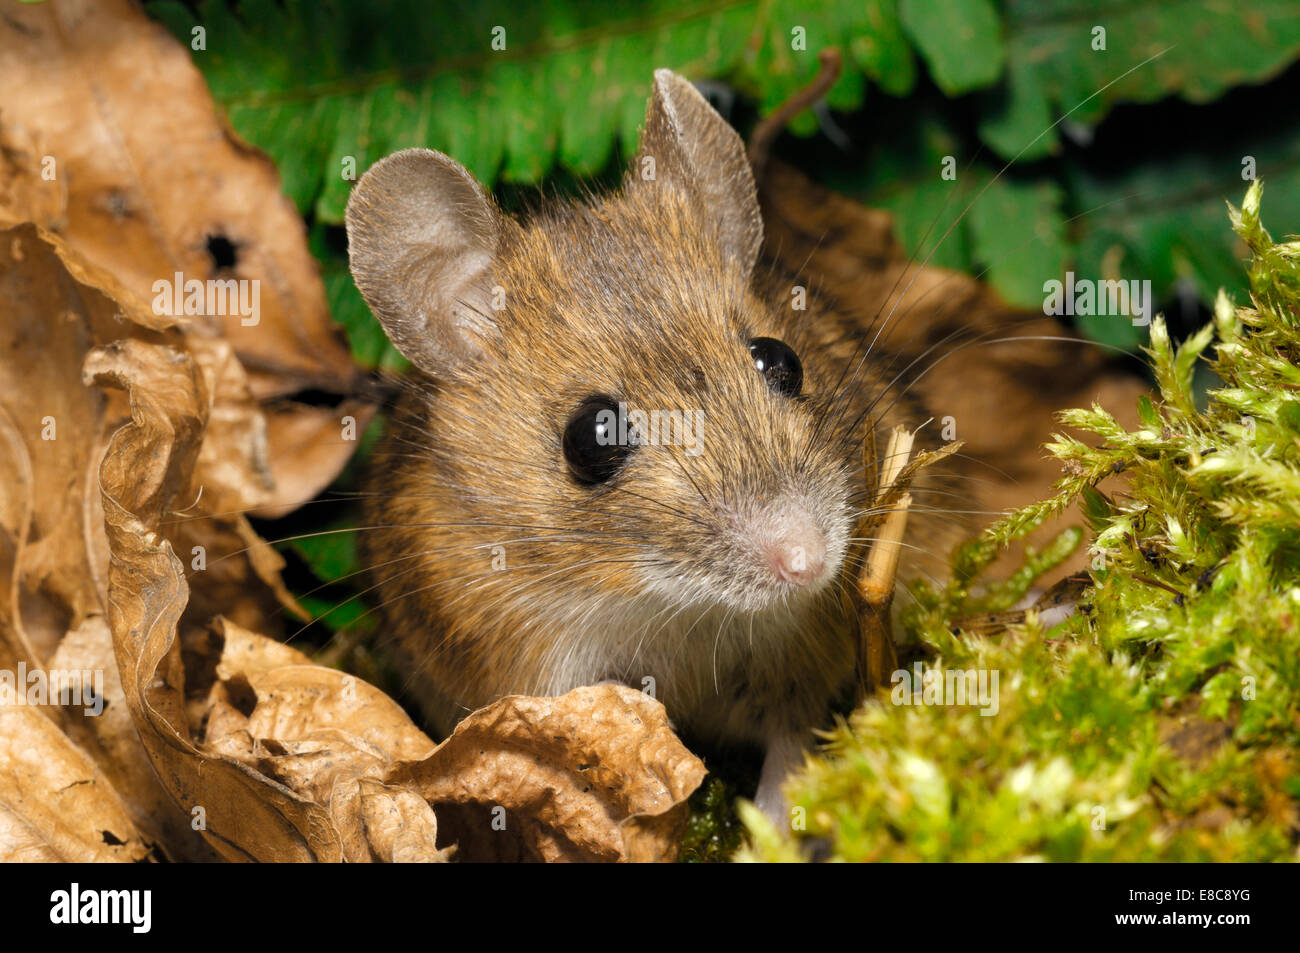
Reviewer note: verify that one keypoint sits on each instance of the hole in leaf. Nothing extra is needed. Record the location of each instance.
(223, 252)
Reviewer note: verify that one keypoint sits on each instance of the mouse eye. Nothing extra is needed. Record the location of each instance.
(592, 445)
(776, 362)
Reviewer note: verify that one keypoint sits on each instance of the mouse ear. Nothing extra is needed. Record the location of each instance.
(688, 145)
(421, 240)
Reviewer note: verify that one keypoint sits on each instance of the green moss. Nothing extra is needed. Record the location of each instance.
(714, 831)
(1159, 721)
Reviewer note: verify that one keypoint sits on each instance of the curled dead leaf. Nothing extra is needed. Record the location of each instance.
(54, 552)
(50, 426)
(596, 774)
(242, 814)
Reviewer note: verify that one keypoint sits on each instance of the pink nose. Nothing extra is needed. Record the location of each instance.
(799, 556)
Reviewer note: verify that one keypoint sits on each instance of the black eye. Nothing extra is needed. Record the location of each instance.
(597, 440)
(778, 364)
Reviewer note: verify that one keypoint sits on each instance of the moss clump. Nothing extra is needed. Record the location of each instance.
(1160, 721)
(714, 832)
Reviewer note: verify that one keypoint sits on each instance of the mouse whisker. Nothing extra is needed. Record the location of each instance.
(420, 525)
(861, 362)
(981, 342)
(439, 551)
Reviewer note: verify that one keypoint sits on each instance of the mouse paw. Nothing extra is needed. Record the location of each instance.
(784, 753)
(771, 801)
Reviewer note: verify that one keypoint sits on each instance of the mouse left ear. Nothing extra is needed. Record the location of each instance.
(687, 145)
(422, 238)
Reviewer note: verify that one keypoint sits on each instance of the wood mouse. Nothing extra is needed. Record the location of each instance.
(625, 452)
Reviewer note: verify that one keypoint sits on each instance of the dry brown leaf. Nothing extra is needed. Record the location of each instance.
(55, 804)
(52, 546)
(111, 103)
(111, 738)
(50, 425)
(312, 724)
(327, 736)
(596, 774)
(395, 825)
(309, 442)
(148, 462)
(117, 103)
(232, 477)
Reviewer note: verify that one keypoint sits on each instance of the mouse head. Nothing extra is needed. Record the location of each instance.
(604, 377)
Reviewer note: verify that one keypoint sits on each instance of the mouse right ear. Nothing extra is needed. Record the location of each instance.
(686, 144)
(421, 240)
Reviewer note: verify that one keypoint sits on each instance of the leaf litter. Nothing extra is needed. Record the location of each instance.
(134, 444)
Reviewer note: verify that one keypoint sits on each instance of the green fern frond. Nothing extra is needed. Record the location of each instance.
(509, 89)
